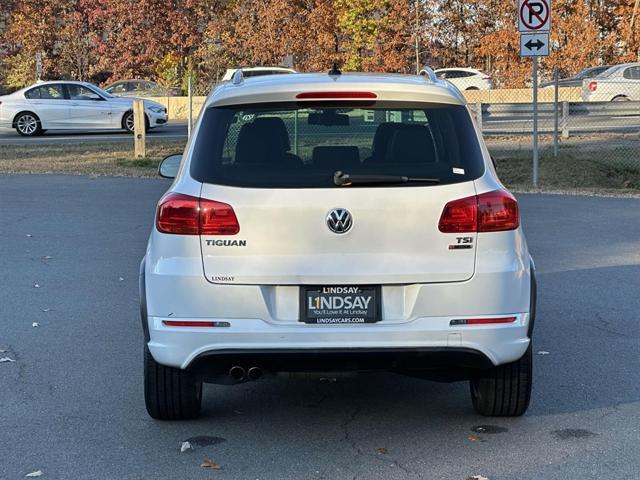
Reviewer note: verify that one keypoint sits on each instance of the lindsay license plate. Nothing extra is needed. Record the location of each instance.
(340, 304)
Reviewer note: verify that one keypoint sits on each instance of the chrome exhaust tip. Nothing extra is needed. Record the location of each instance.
(237, 373)
(255, 373)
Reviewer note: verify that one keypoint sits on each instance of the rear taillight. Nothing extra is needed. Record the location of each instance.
(495, 211)
(593, 86)
(460, 216)
(186, 215)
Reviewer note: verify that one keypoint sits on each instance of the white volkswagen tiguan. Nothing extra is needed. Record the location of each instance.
(336, 223)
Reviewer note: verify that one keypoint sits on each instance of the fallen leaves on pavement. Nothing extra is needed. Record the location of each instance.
(37, 473)
(206, 463)
(185, 446)
(382, 451)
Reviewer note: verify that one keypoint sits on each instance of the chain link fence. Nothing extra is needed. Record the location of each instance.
(589, 135)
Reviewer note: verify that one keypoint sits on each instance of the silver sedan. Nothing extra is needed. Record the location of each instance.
(69, 105)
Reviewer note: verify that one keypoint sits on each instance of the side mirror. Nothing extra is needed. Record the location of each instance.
(168, 167)
(94, 96)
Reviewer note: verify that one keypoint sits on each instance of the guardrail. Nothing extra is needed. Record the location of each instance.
(572, 117)
(178, 107)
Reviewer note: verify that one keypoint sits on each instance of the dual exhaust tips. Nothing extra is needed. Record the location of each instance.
(239, 374)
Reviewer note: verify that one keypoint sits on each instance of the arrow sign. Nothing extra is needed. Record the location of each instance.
(534, 15)
(531, 44)
(534, 44)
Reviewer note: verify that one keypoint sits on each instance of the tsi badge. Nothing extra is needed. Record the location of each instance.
(462, 243)
(339, 220)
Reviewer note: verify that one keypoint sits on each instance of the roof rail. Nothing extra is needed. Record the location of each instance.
(238, 76)
(428, 72)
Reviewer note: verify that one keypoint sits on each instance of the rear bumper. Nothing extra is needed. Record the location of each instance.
(184, 347)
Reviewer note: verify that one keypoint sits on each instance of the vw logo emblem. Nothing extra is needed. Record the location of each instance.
(339, 220)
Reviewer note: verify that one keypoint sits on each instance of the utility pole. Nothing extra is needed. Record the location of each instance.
(417, 38)
(633, 20)
(38, 66)
(633, 17)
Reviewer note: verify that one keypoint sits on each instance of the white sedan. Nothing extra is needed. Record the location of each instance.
(465, 78)
(69, 105)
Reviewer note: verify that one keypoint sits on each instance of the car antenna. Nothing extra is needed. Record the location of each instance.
(335, 70)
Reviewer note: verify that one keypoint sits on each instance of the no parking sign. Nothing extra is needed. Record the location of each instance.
(534, 23)
(534, 16)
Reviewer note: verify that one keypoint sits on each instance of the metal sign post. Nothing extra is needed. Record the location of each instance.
(535, 122)
(534, 23)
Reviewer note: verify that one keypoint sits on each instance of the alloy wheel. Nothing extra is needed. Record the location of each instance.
(129, 122)
(27, 124)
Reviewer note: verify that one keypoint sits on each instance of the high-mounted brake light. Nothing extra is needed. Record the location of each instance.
(186, 215)
(495, 211)
(593, 86)
(336, 95)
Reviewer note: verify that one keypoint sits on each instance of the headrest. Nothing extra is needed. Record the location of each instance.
(264, 140)
(411, 144)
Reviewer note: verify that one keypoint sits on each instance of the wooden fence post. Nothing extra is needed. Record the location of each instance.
(139, 130)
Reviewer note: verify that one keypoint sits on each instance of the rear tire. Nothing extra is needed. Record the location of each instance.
(170, 393)
(505, 390)
(28, 124)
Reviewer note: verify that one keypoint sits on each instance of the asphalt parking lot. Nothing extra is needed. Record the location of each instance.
(72, 403)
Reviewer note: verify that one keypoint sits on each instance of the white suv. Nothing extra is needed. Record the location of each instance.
(336, 223)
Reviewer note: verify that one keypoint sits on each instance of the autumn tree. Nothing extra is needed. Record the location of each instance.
(168, 40)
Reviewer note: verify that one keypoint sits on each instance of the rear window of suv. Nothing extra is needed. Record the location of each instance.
(302, 145)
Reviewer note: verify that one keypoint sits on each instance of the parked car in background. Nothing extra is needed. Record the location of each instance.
(69, 105)
(618, 83)
(465, 78)
(576, 80)
(257, 72)
(140, 88)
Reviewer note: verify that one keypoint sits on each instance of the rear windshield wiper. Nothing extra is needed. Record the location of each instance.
(342, 179)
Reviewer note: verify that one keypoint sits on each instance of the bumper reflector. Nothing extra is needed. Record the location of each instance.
(482, 321)
(189, 323)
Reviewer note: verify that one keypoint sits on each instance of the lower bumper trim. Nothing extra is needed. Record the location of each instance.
(403, 360)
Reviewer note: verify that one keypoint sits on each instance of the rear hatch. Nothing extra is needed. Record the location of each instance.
(337, 194)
